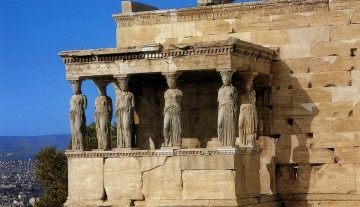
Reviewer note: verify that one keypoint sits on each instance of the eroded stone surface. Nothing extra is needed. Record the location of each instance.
(330, 179)
(86, 175)
(124, 172)
(209, 184)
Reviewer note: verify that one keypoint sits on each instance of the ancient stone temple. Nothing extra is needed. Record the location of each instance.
(224, 104)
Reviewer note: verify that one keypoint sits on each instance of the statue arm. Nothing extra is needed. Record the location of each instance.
(236, 98)
(96, 115)
(218, 97)
(253, 98)
(85, 102)
(96, 100)
(181, 95)
(110, 107)
(116, 106)
(132, 101)
(117, 101)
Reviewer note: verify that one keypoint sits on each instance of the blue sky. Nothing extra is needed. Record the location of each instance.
(34, 92)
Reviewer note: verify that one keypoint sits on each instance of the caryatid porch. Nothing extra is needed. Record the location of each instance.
(143, 177)
(198, 68)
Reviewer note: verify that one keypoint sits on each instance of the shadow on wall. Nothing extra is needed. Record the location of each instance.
(148, 91)
(293, 126)
(199, 106)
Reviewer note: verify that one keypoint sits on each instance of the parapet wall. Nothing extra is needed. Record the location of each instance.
(194, 177)
(314, 106)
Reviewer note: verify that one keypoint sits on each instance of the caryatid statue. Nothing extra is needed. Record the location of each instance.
(78, 104)
(248, 119)
(125, 104)
(103, 115)
(172, 112)
(227, 110)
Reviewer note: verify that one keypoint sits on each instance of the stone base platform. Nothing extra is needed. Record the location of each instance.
(248, 202)
(166, 177)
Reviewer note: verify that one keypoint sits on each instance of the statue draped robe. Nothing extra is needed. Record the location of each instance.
(227, 113)
(124, 119)
(172, 117)
(103, 115)
(78, 103)
(248, 119)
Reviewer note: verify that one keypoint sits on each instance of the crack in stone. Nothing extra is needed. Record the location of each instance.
(153, 168)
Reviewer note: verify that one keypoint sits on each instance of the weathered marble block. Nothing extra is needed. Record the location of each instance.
(163, 182)
(122, 181)
(86, 179)
(209, 184)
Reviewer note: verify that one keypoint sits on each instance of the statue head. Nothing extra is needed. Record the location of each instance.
(171, 81)
(101, 85)
(226, 77)
(123, 84)
(76, 86)
(248, 81)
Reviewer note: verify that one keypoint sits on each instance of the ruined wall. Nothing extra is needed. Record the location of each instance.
(314, 130)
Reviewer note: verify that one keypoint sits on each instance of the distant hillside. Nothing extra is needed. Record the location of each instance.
(23, 148)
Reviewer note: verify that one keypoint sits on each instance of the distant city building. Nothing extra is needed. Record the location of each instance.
(17, 183)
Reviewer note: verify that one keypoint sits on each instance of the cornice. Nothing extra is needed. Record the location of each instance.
(220, 12)
(162, 153)
(232, 46)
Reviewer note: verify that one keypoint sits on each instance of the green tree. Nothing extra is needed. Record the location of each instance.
(51, 172)
(51, 169)
(91, 140)
(90, 137)
(113, 132)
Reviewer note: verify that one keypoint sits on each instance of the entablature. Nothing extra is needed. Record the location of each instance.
(232, 54)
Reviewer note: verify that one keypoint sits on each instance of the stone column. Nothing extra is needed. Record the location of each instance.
(103, 115)
(172, 112)
(125, 103)
(248, 119)
(78, 104)
(227, 110)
